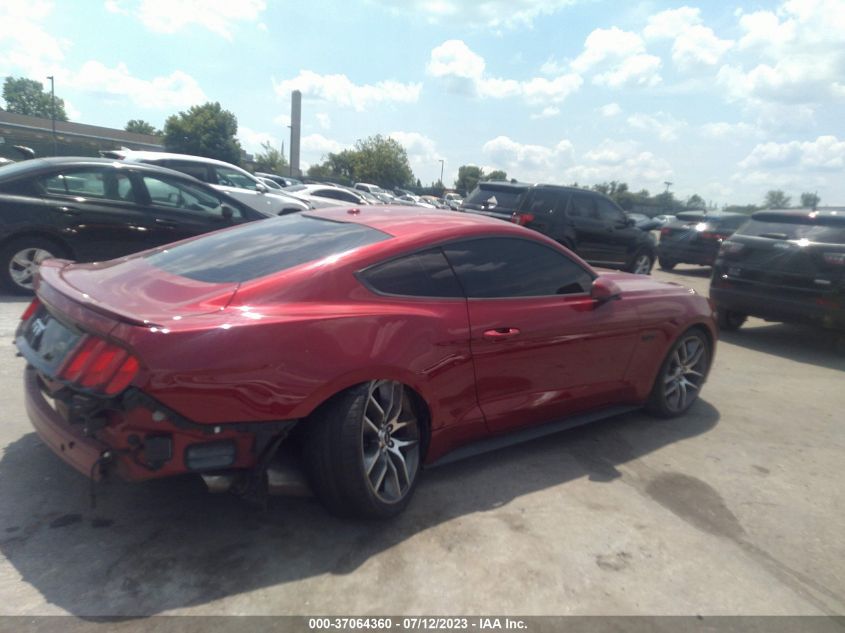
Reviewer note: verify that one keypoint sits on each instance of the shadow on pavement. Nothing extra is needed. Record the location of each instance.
(152, 547)
(803, 344)
(703, 272)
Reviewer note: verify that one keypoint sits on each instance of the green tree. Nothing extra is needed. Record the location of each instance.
(468, 177)
(27, 96)
(810, 200)
(139, 126)
(205, 130)
(377, 159)
(271, 160)
(776, 199)
(696, 202)
(496, 174)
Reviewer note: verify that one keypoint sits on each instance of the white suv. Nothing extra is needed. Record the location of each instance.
(225, 177)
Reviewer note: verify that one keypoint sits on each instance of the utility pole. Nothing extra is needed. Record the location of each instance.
(53, 112)
(441, 172)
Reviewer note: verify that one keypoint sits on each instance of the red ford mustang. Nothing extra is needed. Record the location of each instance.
(364, 343)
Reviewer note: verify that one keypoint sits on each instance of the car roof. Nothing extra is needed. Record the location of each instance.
(833, 215)
(133, 155)
(41, 164)
(411, 222)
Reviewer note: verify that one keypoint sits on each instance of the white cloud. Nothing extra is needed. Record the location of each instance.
(546, 113)
(176, 90)
(796, 55)
(724, 130)
(463, 72)
(339, 89)
(619, 58)
(317, 145)
(528, 161)
(171, 16)
(610, 110)
(491, 15)
(25, 46)
(693, 43)
(282, 120)
(826, 153)
(252, 140)
(621, 161)
(663, 125)
(422, 151)
(324, 120)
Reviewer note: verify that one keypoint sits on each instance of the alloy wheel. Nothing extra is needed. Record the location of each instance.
(642, 265)
(24, 263)
(390, 441)
(685, 373)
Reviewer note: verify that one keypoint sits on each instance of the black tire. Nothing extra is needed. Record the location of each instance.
(15, 278)
(667, 402)
(641, 263)
(728, 320)
(339, 440)
(666, 264)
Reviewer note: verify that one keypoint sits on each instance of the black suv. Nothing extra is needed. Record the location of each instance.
(588, 223)
(783, 266)
(498, 199)
(695, 236)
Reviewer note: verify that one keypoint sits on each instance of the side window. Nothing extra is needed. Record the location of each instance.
(336, 194)
(197, 170)
(174, 194)
(608, 213)
(233, 178)
(513, 267)
(425, 274)
(545, 202)
(104, 184)
(583, 207)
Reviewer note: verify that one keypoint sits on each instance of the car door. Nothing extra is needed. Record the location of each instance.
(619, 237)
(542, 347)
(95, 207)
(587, 228)
(180, 208)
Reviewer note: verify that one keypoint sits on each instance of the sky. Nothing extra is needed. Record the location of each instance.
(726, 100)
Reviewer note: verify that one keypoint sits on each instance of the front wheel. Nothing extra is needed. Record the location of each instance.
(681, 376)
(362, 451)
(641, 263)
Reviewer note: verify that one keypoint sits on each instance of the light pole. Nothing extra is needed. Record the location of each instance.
(441, 172)
(666, 197)
(53, 112)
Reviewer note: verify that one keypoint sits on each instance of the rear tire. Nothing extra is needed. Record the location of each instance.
(20, 258)
(666, 264)
(729, 321)
(681, 375)
(362, 450)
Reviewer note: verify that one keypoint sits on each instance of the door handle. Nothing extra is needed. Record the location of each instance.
(69, 210)
(501, 333)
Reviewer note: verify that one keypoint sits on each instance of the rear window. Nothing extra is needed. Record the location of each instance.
(263, 247)
(820, 233)
(492, 197)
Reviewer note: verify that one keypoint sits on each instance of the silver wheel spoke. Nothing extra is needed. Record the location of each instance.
(382, 472)
(398, 457)
(368, 424)
(696, 357)
(686, 383)
(692, 372)
(373, 460)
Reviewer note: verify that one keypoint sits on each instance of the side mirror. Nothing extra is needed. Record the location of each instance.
(261, 187)
(604, 290)
(227, 212)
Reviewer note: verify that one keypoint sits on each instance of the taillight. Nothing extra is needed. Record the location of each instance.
(30, 309)
(523, 219)
(665, 231)
(100, 366)
(834, 259)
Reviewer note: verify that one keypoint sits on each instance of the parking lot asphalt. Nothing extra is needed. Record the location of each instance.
(736, 508)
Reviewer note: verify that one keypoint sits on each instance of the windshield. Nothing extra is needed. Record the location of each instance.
(264, 247)
(495, 197)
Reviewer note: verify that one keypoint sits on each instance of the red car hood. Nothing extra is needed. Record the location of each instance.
(133, 290)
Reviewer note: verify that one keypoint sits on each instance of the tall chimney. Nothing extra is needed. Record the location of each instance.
(295, 130)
